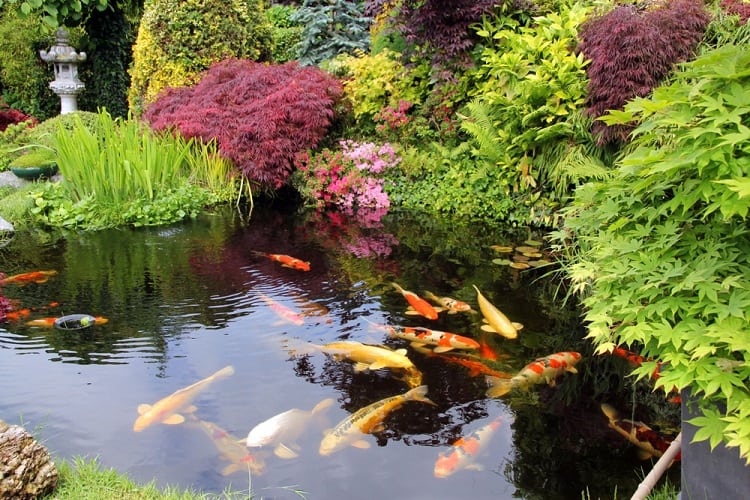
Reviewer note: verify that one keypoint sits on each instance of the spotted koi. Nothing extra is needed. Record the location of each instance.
(540, 371)
(466, 450)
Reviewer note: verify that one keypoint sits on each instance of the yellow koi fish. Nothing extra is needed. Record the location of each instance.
(367, 420)
(450, 304)
(540, 371)
(230, 449)
(283, 429)
(166, 410)
(466, 450)
(370, 357)
(497, 321)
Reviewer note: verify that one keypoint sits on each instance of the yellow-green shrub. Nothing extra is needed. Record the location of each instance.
(177, 40)
(377, 81)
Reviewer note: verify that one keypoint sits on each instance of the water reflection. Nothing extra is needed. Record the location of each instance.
(184, 301)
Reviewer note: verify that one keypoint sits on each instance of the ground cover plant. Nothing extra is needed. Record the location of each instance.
(663, 246)
(260, 115)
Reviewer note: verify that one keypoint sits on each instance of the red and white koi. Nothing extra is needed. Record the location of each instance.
(443, 341)
(450, 304)
(367, 420)
(417, 303)
(466, 450)
(166, 409)
(540, 371)
(286, 260)
(649, 442)
(284, 312)
(497, 322)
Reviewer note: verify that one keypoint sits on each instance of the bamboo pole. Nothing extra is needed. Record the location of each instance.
(659, 468)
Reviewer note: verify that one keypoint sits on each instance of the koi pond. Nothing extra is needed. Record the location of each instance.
(200, 335)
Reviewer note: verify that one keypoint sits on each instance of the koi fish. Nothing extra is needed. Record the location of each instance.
(450, 304)
(370, 357)
(286, 260)
(417, 303)
(539, 371)
(497, 321)
(466, 450)
(475, 367)
(230, 449)
(32, 277)
(284, 312)
(485, 351)
(50, 322)
(283, 429)
(367, 420)
(166, 410)
(420, 336)
(17, 314)
(649, 442)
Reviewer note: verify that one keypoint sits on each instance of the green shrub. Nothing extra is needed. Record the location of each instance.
(177, 40)
(663, 247)
(285, 33)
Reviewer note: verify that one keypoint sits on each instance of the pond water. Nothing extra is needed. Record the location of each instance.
(185, 301)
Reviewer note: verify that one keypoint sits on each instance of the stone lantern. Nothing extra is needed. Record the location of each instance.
(65, 61)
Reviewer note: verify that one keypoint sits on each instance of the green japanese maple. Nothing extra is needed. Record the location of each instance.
(663, 255)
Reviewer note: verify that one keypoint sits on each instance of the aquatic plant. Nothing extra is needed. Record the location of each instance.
(260, 115)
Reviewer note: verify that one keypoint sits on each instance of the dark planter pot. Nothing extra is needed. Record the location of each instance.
(34, 173)
(707, 475)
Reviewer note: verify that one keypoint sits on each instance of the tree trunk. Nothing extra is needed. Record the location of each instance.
(26, 468)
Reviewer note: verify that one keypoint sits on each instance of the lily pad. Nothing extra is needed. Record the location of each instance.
(533, 243)
(519, 265)
(501, 249)
(524, 249)
(501, 262)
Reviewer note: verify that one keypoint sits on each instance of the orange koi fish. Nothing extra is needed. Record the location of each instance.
(466, 450)
(420, 336)
(649, 442)
(17, 314)
(32, 277)
(286, 260)
(452, 305)
(283, 311)
(367, 420)
(230, 449)
(540, 371)
(417, 303)
(497, 322)
(485, 351)
(474, 366)
(166, 409)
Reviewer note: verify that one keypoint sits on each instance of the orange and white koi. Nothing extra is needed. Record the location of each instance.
(230, 449)
(286, 260)
(370, 357)
(466, 450)
(649, 442)
(497, 321)
(417, 303)
(284, 312)
(166, 409)
(32, 277)
(450, 304)
(540, 371)
(420, 336)
(367, 420)
(282, 430)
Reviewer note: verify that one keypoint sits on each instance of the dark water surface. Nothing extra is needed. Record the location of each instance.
(187, 300)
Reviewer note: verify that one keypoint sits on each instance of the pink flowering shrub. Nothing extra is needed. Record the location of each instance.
(349, 178)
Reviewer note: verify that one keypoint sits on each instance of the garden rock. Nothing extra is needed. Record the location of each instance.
(26, 467)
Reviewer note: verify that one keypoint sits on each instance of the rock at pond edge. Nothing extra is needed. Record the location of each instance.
(26, 467)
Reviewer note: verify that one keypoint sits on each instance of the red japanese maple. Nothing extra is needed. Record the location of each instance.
(261, 115)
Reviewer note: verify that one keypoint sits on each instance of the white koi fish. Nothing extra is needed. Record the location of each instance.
(367, 420)
(283, 429)
(497, 321)
(284, 312)
(166, 410)
(453, 306)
